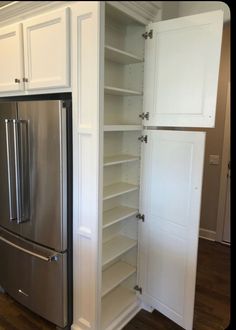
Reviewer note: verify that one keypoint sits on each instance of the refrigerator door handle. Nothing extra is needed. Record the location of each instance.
(53, 257)
(21, 169)
(10, 172)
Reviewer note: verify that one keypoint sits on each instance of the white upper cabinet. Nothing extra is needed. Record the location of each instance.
(35, 54)
(181, 70)
(46, 50)
(11, 58)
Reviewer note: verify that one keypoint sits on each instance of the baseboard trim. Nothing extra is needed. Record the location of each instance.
(207, 234)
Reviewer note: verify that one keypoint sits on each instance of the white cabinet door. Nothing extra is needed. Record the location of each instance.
(46, 50)
(181, 70)
(11, 58)
(172, 169)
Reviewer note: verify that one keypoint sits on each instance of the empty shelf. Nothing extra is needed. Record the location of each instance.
(115, 275)
(120, 91)
(120, 56)
(117, 189)
(119, 159)
(116, 247)
(117, 214)
(114, 303)
(113, 128)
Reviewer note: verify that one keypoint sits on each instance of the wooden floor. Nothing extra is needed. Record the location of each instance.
(212, 302)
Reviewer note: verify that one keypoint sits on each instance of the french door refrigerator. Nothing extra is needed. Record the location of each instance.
(34, 205)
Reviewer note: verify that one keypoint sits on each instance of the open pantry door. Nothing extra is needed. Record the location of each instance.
(182, 58)
(171, 182)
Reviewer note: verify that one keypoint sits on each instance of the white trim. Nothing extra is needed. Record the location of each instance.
(207, 234)
(224, 171)
(143, 11)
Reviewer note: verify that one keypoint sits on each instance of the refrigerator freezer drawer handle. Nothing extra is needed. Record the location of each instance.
(53, 257)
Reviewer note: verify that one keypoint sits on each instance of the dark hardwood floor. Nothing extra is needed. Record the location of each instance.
(212, 301)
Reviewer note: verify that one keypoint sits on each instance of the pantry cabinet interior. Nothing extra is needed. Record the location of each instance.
(123, 104)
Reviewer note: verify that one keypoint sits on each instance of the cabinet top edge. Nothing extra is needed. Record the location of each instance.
(21, 10)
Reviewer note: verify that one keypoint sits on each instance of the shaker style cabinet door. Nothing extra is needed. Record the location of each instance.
(182, 58)
(46, 50)
(171, 184)
(11, 58)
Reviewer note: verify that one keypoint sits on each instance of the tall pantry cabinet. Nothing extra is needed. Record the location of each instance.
(138, 89)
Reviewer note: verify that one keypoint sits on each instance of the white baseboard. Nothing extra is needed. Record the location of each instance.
(207, 234)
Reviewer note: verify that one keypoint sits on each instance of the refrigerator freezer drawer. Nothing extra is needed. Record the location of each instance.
(34, 276)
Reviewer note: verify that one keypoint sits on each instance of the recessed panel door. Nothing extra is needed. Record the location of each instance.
(182, 60)
(172, 169)
(46, 50)
(11, 58)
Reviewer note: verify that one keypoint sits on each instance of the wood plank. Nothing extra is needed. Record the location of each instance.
(117, 214)
(116, 247)
(119, 159)
(115, 275)
(118, 189)
(115, 303)
(121, 56)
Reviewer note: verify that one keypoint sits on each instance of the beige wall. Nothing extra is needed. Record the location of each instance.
(214, 142)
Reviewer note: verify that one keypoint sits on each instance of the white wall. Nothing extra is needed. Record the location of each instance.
(197, 7)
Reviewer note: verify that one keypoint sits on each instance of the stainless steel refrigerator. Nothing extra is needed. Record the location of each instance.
(35, 205)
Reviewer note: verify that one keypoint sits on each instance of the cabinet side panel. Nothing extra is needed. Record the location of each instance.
(85, 95)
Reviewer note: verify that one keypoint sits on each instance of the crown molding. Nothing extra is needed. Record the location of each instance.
(19, 10)
(143, 11)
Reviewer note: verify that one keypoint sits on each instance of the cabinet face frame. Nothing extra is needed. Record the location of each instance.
(57, 24)
(14, 37)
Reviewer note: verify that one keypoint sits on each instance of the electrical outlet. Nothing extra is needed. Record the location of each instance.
(214, 159)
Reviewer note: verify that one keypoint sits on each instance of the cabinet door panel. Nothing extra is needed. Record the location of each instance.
(11, 58)
(172, 170)
(46, 50)
(181, 71)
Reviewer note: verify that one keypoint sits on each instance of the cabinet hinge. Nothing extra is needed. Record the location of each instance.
(137, 288)
(148, 34)
(143, 138)
(140, 217)
(144, 115)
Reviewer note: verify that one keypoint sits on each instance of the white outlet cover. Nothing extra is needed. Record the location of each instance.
(214, 159)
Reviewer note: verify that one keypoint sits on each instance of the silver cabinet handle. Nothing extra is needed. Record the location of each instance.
(53, 257)
(10, 172)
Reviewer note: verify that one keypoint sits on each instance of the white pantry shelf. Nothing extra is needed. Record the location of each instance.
(115, 247)
(118, 189)
(114, 303)
(115, 128)
(117, 214)
(120, 56)
(115, 275)
(119, 159)
(121, 91)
